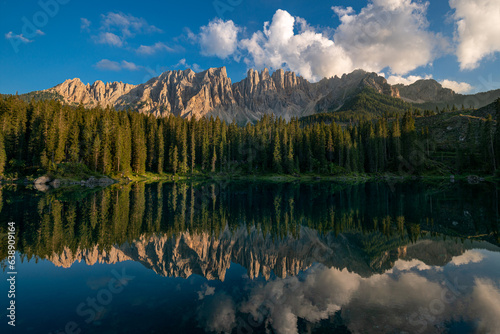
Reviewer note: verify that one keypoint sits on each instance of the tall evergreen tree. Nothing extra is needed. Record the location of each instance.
(3, 155)
(277, 167)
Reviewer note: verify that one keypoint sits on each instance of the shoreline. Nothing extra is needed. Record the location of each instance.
(44, 183)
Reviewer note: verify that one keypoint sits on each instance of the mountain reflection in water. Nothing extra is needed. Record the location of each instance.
(260, 257)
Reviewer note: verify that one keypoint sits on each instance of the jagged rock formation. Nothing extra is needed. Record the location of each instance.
(189, 94)
(210, 257)
(91, 256)
(428, 94)
(74, 91)
(211, 93)
(427, 90)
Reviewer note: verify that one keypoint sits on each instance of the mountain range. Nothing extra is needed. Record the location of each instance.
(263, 255)
(211, 93)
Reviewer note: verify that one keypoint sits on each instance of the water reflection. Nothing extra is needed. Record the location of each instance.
(284, 258)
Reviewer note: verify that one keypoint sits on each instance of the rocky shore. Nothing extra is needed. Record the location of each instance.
(45, 183)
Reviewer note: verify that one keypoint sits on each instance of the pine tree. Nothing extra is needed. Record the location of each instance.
(277, 167)
(124, 154)
(396, 139)
(192, 149)
(160, 147)
(496, 141)
(329, 147)
(96, 152)
(290, 163)
(174, 159)
(74, 144)
(3, 155)
(139, 150)
(183, 160)
(487, 145)
(214, 160)
(408, 135)
(151, 142)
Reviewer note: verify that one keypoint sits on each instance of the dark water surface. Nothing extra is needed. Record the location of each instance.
(254, 258)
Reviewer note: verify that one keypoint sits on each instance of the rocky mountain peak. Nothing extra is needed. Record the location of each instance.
(424, 91)
(186, 93)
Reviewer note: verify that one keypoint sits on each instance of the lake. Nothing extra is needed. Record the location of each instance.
(254, 257)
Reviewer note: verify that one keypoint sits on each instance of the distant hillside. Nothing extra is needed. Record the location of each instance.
(366, 104)
(39, 95)
(284, 94)
(429, 94)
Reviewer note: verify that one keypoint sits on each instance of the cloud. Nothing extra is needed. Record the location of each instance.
(218, 39)
(152, 49)
(307, 53)
(470, 256)
(130, 66)
(206, 291)
(486, 302)
(108, 38)
(396, 79)
(457, 87)
(109, 65)
(85, 24)
(477, 30)
(128, 25)
(388, 34)
(183, 63)
(11, 35)
(116, 28)
(20, 37)
(323, 293)
(217, 313)
(414, 264)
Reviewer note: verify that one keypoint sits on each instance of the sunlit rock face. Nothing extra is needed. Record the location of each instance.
(74, 91)
(211, 93)
(262, 255)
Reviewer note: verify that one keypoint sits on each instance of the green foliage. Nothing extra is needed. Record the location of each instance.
(39, 96)
(45, 134)
(371, 103)
(3, 156)
(71, 170)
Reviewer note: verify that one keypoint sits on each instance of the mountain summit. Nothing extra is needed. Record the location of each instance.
(211, 93)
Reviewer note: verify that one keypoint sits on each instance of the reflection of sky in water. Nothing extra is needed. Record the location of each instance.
(414, 297)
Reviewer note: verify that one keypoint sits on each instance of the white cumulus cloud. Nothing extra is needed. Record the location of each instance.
(477, 30)
(471, 256)
(408, 80)
(457, 87)
(308, 53)
(486, 302)
(388, 33)
(219, 38)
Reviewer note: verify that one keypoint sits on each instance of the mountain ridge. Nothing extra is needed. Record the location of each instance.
(186, 93)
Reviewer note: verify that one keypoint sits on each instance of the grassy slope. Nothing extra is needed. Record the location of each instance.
(368, 104)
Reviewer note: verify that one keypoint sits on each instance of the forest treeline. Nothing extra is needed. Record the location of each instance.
(55, 221)
(43, 135)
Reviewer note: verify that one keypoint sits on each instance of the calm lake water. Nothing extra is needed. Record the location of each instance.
(254, 258)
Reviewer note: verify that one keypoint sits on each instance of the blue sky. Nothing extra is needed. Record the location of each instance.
(43, 43)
